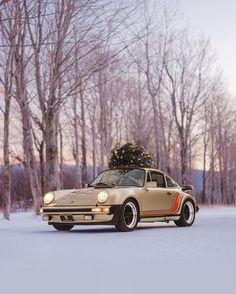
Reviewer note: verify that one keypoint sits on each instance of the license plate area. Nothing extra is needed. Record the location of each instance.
(67, 218)
(88, 217)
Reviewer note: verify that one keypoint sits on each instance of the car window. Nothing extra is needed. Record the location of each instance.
(159, 179)
(170, 183)
(121, 177)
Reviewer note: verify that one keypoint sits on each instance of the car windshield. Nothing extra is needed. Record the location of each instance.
(120, 177)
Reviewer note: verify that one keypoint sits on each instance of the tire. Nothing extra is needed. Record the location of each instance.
(64, 227)
(129, 216)
(187, 215)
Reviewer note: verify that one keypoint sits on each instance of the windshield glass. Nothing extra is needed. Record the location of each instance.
(120, 177)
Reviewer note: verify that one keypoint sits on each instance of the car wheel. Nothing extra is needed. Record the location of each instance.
(63, 227)
(128, 218)
(187, 216)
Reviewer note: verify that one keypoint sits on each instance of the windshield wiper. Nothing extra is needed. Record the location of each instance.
(104, 184)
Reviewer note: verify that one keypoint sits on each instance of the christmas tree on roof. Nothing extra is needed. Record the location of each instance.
(130, 155)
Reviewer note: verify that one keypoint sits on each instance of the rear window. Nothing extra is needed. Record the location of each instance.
(170, 183)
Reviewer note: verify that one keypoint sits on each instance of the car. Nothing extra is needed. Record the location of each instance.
(122, 197)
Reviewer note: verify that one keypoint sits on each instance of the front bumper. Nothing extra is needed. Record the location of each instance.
(81, 215)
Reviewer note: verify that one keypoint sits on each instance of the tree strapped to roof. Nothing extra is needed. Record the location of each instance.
(130, 155)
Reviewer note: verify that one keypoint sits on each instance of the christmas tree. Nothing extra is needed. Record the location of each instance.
(130, 155)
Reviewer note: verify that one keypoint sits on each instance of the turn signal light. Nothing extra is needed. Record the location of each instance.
(100, 209)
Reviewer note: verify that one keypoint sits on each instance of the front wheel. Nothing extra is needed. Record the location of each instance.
(128, 218)
(187, 216)
(64, 227)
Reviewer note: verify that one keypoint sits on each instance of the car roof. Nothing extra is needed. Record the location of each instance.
(152, 169)
(143, 168)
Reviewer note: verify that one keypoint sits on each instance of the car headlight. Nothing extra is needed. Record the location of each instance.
(48, 198)
(102, 196)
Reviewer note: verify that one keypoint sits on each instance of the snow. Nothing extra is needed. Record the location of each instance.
(155, 258)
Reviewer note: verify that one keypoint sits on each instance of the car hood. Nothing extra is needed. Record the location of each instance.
(88, 196)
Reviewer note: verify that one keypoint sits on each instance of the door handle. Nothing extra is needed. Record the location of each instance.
(168, 193)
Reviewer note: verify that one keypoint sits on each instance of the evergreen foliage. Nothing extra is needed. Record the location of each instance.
(130, 155)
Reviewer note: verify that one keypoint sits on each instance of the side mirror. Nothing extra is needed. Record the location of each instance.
(151, 185)
(187, 188)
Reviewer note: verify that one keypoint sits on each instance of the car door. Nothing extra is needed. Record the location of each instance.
(155, 198)
(161, 199)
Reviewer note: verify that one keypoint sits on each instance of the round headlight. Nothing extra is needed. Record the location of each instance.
(102, 196)
(48, 198)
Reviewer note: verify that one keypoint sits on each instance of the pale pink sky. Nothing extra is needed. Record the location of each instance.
(215, 19)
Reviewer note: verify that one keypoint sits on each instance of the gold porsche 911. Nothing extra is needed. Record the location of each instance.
(122, 197)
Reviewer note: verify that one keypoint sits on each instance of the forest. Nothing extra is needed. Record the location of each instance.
(79, 78)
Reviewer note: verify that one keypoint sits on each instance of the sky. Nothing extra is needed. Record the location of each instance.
(216, 19)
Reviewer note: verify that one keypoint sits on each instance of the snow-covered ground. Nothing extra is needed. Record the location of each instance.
(155, 258)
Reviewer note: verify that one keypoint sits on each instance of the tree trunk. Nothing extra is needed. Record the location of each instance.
(204, 163)
(61, 155)
(156, 132)
(83, 143)
(94, 151)
(29, 153)
(7, 182)
(184, 163)
(76, 149)
(41, 162)
(52, 166)
(22, 99)
(102, 119)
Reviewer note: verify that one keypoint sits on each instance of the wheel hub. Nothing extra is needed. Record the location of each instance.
(130, 214)
(189, 212)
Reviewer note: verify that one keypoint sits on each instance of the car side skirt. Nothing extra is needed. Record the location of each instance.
(163, 218)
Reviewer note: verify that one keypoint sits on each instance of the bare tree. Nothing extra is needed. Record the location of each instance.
(221, 133)
(8, 30)
(92, 113)
(150, 57)
(15, 37)
(188, 66)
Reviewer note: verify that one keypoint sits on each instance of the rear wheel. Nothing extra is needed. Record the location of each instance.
(64, 227)
(187, 215)
(128, 218)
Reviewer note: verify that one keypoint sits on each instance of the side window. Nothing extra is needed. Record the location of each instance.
(159, 179)
(170, 183)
